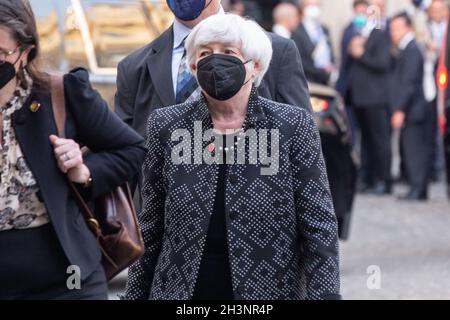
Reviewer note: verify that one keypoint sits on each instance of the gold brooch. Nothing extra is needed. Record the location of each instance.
(34, 107)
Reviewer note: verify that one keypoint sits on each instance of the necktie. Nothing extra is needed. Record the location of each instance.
(187, 86)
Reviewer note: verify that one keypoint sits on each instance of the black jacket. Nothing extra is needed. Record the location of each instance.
(346, 60)
(144, 79)
(116, 156)
(306, 48)
(281, 228)
(369, 76)
(406, 85)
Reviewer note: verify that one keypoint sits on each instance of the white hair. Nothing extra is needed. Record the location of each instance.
(229, 28)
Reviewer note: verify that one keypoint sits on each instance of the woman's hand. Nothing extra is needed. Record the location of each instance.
(70, 159)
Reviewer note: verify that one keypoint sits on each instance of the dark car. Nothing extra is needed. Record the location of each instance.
(337, 149)
(444, 102)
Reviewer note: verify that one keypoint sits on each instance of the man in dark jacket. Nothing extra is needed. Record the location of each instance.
(409, 105)
(314, 43)
(367, 91)
(148, 78)
(354, 28)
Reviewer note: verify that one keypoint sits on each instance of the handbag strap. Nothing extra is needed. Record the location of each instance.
(59, 113)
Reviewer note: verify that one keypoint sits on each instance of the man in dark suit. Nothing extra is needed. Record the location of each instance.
(354, 29)
(367, 90)
(261, 11)
(409, 105)
(313, 41)
(150, 77)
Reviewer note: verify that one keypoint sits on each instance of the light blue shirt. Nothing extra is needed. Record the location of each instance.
(180, 32)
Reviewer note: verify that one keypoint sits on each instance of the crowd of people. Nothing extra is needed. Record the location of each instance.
(386, 76)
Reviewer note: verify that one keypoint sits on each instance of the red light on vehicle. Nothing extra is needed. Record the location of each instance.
(319, 105)
(442, 78)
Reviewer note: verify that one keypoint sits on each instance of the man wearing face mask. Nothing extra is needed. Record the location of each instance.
(355, 28)
(367, 91)
(156, 75)
(313, 41)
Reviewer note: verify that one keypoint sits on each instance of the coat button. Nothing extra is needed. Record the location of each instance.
(21, 119)
(277, 204)
(233, 215)
(238, 252)
(241, 289)
(233, 178)
(280, 276)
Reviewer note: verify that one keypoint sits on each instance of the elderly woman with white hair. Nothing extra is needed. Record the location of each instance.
(236, 197)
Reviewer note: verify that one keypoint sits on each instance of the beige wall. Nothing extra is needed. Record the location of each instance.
(337, 14)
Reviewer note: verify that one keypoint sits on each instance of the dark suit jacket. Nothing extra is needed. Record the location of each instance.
(306, 48)
(369, 75)
(116, 155)
(281, 228)
(261, 11)
(406, 89)
(144, 80)
(346, 60)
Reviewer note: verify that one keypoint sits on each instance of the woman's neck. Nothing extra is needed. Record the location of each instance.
(230, 114)
(7, 92)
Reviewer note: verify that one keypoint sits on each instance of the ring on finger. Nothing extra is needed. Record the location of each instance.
(66, 157)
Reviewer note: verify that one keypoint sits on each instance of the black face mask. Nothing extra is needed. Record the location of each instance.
(7, 73)
(221, 76)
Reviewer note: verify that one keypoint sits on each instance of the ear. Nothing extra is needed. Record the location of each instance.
(256, 68)
(25, 54)
(193, 67)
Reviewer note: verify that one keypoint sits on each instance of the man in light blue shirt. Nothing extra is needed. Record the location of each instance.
(155, 77)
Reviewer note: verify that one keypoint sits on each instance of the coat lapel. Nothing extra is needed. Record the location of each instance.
(32, 131)
(307, 42)
(159, 65)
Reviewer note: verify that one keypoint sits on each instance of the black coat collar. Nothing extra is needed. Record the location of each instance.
(33, 130)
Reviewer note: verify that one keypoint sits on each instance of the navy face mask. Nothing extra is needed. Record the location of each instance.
(187, 10)
(417, 3)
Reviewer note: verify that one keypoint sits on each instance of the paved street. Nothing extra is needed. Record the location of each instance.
(409, 243)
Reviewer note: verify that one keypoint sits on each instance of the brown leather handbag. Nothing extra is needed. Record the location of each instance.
(114, 222)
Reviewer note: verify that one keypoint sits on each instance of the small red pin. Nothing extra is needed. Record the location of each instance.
(211, 147)
(34, 107)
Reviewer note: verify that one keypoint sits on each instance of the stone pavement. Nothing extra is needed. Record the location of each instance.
(408, 242)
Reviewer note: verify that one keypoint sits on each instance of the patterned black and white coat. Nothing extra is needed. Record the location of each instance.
(281, 228)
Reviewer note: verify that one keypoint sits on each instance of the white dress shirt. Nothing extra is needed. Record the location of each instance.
(281, 31)
(322, 53)
(407, 39)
